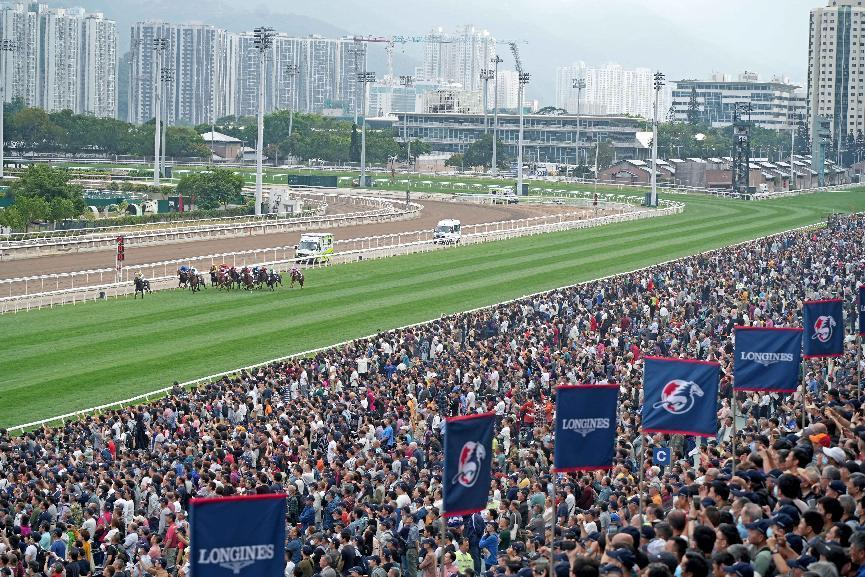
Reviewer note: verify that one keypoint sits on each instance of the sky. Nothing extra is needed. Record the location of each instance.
(682, 38)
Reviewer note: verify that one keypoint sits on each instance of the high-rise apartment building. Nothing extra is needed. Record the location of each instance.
(508, 89)
(64, 58)
(194, 61)
(611, 89)
(458, 58)
(836, 67)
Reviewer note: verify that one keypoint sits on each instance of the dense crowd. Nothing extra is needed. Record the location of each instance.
(353, 437)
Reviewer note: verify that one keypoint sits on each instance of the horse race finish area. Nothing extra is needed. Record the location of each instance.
(74, 357)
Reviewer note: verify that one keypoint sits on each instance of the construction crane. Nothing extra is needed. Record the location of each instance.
(389, 43)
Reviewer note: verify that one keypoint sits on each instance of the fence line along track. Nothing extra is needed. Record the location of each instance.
(155, 394)
(365, 248)
(382, 210)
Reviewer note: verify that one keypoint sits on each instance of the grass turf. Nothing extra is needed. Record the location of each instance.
(74, 357)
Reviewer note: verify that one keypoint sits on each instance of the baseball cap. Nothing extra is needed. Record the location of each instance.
(837, 454)
(783, 521)
(801, 562)
(838, 486)
(609, 568)
(820, 439)
(740, 569)
(666, 558)
(762, 525)
(624, 556)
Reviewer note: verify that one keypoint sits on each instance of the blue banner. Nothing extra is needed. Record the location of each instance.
(468, 460)
(860, 306)
(680, 396)
(824, 328)
(767, 359)
(585, 427)
(233, 536)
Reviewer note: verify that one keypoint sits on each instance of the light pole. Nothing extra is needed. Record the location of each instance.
(159, 46)
(406, 81)
(495, 60)
(5, 46)
(523, 80)
(363, 78)
(166, 76)
(263, 40)
(659, 83)
(793, 127)
(486, 76)
(358, 50)
(291, 70)
(579, 84)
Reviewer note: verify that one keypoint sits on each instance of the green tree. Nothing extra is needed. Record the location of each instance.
(693, 108)
(61, 209)
(211, 189)
(418, 148)
(605, 154)
(11, 217)
(47, 183)
(455, 160)
(480, 153)
(31, 208)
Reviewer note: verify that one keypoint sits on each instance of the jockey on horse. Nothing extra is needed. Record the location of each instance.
(296, 275)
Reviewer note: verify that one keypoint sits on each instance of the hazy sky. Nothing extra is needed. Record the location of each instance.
(683, 38)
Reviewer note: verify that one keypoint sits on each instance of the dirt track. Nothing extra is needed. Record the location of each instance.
(433, 212)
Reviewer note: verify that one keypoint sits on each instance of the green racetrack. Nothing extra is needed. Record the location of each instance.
(55, 361)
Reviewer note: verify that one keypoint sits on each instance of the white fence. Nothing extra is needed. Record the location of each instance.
(383, 209)
(162, 274)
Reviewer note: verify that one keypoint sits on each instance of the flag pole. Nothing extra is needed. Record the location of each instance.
(640, 466)
(552, 572)
(804, 409)
(733, 438)
(443, 533)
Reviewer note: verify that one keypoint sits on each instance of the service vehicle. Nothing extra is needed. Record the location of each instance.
(314, 247)
(447, 232)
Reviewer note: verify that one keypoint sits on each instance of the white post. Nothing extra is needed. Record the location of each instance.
(259, 144)
(579, 84)
(654, 153)
(519, 139)
(496, 60)
(792, 152)
(157, 89)
(5, 46)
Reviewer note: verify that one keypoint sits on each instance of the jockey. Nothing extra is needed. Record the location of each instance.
(295, 269)
(139, 275)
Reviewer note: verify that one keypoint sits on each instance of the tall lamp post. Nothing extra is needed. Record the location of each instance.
(495, 60)
(523, 80)
(167, 77)
(486, 76)
(659, 83)
(159, 46)
(291, 70)
(406, 81)
(5, 46)
(363, 79)
(578, 84)
(262, 40)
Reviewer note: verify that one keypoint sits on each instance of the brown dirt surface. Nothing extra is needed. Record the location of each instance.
(433, 211)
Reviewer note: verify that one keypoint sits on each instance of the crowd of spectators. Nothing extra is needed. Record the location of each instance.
(353, 437)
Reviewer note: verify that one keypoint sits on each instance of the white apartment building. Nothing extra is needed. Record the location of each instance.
(611, 89)
(508, 89)
(64, 58)
(458, 58)
(836, 67)
(99, 88)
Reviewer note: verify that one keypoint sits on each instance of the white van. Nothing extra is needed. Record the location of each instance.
(314, 247)
(447, 232)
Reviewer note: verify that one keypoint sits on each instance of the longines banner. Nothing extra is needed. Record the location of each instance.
(767, 359)
(242, 535)
(585, 427)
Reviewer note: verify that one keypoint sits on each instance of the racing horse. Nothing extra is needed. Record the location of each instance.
(214, 277)
(296, 277)
(246, 278)
(195, 282)
(141, 285)
(183, 279)
(273, 279)
(261, 276)
(224, 278)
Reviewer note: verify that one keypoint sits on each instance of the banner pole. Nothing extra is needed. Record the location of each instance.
(733, 438)
(859, 361)
(803, 394)
(443, 533)
(552, 572)
(640, 465)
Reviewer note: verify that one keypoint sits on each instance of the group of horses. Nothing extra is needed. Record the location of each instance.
(226, 277)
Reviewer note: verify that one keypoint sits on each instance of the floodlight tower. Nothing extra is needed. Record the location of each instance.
(167, 77)
(159, 47)
(658, 83)
(579, 84)
(291, 70)
(523, 80)
(486, 76)
(262, 40)
(495, 60)
(363, 78)
(406, 81)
